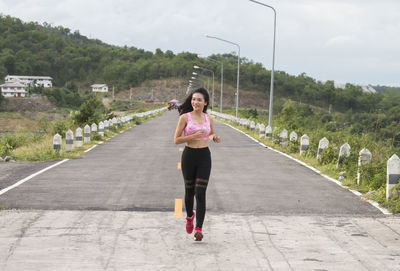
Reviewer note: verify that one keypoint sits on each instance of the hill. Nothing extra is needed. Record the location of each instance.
(384, 89)
(27, 104)
(73, 59)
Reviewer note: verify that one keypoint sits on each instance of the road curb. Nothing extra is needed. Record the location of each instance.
(373, 203)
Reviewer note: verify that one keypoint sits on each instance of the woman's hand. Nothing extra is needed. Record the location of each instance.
(198, 134)
(216, 139)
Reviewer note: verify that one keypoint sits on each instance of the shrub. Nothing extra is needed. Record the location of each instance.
(61, 127)
(294, 146)
(329, 155)
(43, 125)
(97, 137)
(92, 111)
(9, 142)
(373, 175)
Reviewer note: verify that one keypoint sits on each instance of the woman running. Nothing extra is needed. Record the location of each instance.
(197, 127)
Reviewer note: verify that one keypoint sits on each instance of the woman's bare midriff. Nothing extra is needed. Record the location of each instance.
(197, 144)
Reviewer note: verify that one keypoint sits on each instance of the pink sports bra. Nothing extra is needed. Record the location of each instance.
(192, 127)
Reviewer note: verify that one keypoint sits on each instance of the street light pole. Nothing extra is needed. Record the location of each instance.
(271, 95)
(222, 81)
(238, 69)
(212, 99)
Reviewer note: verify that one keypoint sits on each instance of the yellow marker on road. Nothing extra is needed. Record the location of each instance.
(178, 208)
(181, 149)
(179, 165)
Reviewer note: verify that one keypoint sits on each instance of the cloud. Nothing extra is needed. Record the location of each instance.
(342, 40)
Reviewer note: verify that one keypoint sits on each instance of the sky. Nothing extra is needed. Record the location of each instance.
(348, 41)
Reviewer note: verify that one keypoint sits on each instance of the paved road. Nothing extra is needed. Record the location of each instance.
(10, 173)
(113, 210)
(137, 171)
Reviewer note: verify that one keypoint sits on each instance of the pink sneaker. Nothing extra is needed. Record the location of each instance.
(198, 234)
(189, 224)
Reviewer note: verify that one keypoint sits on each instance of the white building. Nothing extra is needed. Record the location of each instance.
(43, 81)
(13, 89)
(99, 88)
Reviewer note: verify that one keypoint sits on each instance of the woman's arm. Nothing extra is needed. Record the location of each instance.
(178, 137)
(213, 136)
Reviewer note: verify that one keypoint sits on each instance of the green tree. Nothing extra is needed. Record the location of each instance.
(92, 111)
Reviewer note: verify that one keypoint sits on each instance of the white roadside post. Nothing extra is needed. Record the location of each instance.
(106, 125)
(69, 141)
(78, 137)
(364, 158)
(262, 131)
(57, 142)
(268, 132)
(94, 128)
(343, 152)
(293, 136)
(252, 126)
(86, 133)
(284, 138)
(101, 128)
(393, 175)
(323, 144)
(304, 144)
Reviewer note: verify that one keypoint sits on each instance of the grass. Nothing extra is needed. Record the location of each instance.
(393, 205)
(27, 121)
(42, 150)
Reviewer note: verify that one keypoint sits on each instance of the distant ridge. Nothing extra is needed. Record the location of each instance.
(365, 88)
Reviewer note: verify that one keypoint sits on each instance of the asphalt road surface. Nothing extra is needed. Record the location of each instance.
(137, 171)
(113, 209)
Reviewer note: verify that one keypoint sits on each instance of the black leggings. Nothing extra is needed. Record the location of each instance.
(196, 168)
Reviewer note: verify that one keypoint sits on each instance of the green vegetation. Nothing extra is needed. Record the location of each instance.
(384, 89)
(303, 119)
(302, 104)
(38, 145)
(70, 58)
(42, 150)
(25, 147)
(92, 111)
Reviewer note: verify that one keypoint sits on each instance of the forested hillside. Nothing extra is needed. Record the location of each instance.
(77, 61)
(301, 103)
(384, 89)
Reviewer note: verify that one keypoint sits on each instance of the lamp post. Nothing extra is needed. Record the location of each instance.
(238, 69)
(222, 80)
(199, 79)
(212, 96)
(271, 95)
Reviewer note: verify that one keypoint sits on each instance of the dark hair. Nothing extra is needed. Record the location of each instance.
(187, 104)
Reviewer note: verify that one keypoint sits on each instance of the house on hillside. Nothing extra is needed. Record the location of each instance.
(99, 88)
(13, 89)
(30, 81)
